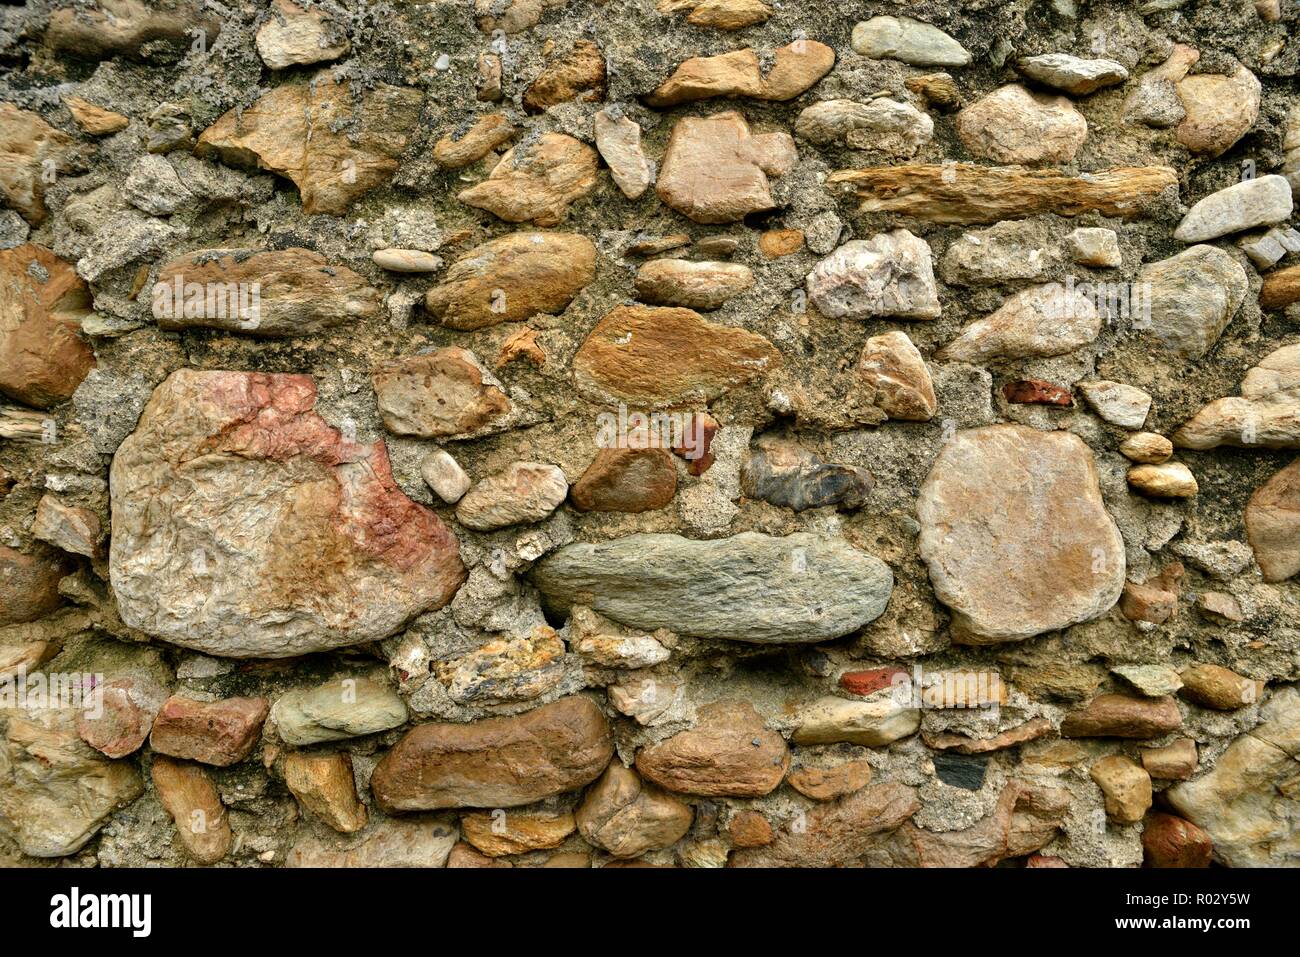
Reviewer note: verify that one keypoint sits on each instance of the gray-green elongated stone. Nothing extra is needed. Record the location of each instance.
(346, 708)
(750, 587)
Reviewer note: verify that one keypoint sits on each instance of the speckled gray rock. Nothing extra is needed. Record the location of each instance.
(800, 588)
(1072, 74)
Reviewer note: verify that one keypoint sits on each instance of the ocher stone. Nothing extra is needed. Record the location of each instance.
(1120, 716)
(565, 745)
(627, 817)
(312, 133)
(324, 785)
(500, 832)
(190, 797)
(739, 73)
(662, 357)
(715, 171)
(43, 357)
(299, 292)
(513, 278)
(965, 193)
(536, 180)
(729, 753)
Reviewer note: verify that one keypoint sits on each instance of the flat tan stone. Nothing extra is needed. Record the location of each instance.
(795, 69)
(715, 171)
(577, 75)
(827, 784)
(661, 357)
(299, 292)
(323, 783)
(513, 278)
(315, 134)
(965, 193)
(442, 394)
(536, 180)
(1015, 533)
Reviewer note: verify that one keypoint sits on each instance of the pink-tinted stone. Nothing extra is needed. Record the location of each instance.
(245, 525)
(120, 725)
(220, 733)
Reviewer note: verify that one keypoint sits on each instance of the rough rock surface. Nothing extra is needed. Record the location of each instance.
(197, 561)
(297, 131)
(513, 278)
(43, 357)
(729, 752)
(1015, 534)
(288, 549)
(565, 745)
(1245, 803)
(799, 588)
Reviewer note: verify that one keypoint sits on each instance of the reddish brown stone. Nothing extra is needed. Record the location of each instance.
(750, 829)
(1155, 600)
(29, 585)
(626, 480)
(827, 784)
(1031, 730)
(129, 708)
(42, 301)
(700, 429)
(729, 753)
(220, 733)
(1120, 716)
(563, 745)
(1169, 841)
(867, 682)
(1213, 686)
(1036, 392)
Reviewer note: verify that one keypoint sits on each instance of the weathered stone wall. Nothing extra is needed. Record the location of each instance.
(699, 433)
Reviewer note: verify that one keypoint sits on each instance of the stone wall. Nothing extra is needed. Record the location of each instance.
(680, 433)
